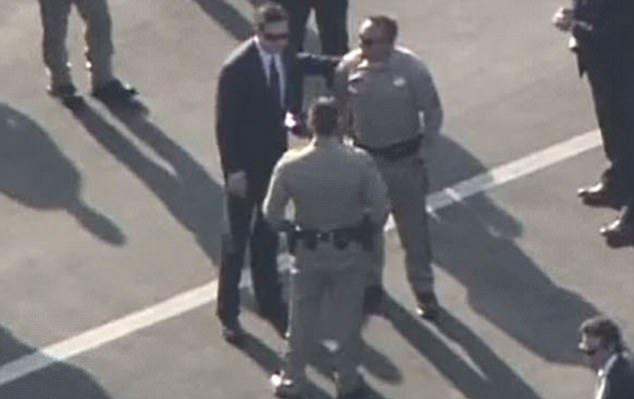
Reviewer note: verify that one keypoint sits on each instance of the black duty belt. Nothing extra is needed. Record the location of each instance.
(396, 151)
(362, 232)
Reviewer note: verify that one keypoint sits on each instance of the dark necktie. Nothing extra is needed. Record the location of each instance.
(274, 82)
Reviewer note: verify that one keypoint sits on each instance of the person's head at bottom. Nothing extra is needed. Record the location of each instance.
(600, 339)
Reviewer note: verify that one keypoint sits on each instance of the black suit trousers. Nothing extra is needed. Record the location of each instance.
(331, 17)
(611, 78)
(247, 226)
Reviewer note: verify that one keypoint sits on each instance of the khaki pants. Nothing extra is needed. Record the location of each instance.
(407, 184)
(98, 36)
(326, 296)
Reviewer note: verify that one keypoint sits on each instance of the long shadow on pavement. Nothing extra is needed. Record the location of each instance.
(35, 173)
(499, 380)
(59, 380)
(190, 195)
(474, 241)
(239, 27)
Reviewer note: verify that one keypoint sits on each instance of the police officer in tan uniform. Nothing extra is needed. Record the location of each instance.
(386, 89)
(99, 49)
(338, 193)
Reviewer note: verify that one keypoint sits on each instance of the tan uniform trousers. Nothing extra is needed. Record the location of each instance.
(98, 36)
(407, 184)
(326, 302)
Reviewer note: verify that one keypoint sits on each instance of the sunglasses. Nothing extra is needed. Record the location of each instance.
(273, 37)
(589, 351)
(369, 42)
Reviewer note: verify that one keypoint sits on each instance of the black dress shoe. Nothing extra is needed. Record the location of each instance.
(283, 387)
(428, 307)
(373, 299)
(114, 91)
(619, 233)
(67, 94)
(233, 333)
(601, 194)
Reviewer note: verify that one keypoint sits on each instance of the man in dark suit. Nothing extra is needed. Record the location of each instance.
(603, 39)
(331, 17)
(259, 83)
(605, 353)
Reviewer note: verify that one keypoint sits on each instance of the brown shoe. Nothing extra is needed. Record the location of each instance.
(601, 194)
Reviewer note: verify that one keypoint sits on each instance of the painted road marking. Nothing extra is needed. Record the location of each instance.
(206, 293)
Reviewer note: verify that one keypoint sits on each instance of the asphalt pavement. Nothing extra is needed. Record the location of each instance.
(110, 238)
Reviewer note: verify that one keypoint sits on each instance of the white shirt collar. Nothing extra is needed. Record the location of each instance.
(266, 58)
(603, 371)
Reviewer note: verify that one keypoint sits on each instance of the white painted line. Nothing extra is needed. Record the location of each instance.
(202, 295)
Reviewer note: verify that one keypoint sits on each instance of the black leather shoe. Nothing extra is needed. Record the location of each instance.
(428, 306)
(601, 194)
(284, 388)
(114, 91)
(619, 233)
(233, 333)
(67, 94)
(373, 299)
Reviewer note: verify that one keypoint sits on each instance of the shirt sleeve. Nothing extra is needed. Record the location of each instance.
(277, 196)
(427, 98)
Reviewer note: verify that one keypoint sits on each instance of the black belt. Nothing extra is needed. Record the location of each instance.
(396, 151)
(362, 232)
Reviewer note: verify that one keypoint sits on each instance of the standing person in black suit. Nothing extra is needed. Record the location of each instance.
(605, 351)
(603, 39)
(332, 22)
(259, 83)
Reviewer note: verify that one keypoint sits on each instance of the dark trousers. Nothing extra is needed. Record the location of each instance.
(611, 78)
(247, 225)
(331, 17)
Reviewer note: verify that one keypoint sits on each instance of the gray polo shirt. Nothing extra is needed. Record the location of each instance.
(386, 101)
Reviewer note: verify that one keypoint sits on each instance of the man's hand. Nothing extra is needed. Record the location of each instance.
(237, 184)
(563, 19)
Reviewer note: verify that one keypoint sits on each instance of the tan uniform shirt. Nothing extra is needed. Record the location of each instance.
(386, 100)
(330, 184)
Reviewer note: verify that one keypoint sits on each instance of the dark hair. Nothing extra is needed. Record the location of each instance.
(387, 24)
(323, 116)
(268, 13)
(605, 329)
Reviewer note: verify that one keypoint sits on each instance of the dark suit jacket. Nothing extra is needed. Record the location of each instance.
(606, 32)
(249, 122)
(620, 379)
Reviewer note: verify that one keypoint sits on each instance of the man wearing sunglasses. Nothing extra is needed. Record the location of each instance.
(259, 83)
(605, 352)
(385, 90)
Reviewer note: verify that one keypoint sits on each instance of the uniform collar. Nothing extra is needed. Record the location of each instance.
(326, 142)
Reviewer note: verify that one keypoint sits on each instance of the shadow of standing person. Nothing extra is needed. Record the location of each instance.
(189, 194)
(474, 241)
(499, 380)
(59, 380)
(35, 173)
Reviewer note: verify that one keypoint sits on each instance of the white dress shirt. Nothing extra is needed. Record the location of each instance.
(266, 61)
(603, 375)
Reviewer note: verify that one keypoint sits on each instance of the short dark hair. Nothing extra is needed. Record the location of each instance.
(323, 116)
(268, 13)
(388, 25)
(605, 329)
